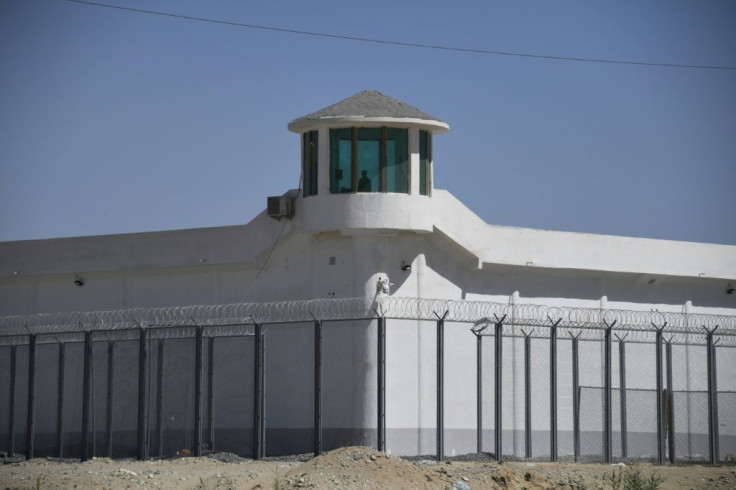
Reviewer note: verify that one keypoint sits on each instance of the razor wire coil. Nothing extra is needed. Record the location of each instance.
(239, 318)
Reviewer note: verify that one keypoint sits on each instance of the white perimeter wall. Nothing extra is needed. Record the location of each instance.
(120, 274)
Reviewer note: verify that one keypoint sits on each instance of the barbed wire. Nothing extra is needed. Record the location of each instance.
(189, 316)
(238, 319)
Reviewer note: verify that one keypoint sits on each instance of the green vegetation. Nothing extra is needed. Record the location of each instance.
(632, 478)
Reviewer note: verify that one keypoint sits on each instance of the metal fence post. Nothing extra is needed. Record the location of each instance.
(318, 387)
(660, 395)
(142, 394)
(527, 393)
(160, 351)
(31, 396)
(199, 372)
(622, 397)
(381, 386)
(60, 401)
(93, 413)
(110, 396)
(11, 402)
(259, 399)
(608, 395)
(670, 409)
(553, 388)
(712, 397)
(86, 392)
(499, 388)
(211, 391)
(717, 437)
(479, 391)
(575, 397)
(441, 385)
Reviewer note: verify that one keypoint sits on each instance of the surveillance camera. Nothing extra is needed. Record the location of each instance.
(78, 281)
(730, 290)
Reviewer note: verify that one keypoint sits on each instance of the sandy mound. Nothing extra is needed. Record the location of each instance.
(364, 467)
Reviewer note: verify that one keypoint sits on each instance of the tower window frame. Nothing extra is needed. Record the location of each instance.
(368, 163)
(310, 158)
(425, 163)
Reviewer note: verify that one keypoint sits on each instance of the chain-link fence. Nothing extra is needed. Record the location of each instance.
(411, 377)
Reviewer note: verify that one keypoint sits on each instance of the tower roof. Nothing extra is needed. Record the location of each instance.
(368, 106)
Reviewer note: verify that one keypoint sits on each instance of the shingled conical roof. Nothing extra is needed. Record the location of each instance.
(368, 106)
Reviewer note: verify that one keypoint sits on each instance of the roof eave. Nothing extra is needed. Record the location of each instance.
(303, 125)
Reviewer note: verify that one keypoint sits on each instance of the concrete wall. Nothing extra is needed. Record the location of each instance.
(457, 257)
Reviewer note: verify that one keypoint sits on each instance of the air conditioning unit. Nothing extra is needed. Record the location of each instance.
(280, 207)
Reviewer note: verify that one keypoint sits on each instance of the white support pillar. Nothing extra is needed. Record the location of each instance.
(414, 161)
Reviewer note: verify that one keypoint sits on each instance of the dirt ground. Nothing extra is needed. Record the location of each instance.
(350, 468)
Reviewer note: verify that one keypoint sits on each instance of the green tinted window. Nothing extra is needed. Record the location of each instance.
(309, 162)
(369, 160)
(424, 162)
(397, 160)
(341, 168)
(369, 151)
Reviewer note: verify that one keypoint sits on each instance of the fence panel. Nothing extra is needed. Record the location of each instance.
(727, 426)
(691, 413)
(125, 399)
(690, 402)
(540, 397)
(349, 370)
(178, 395)
(411, 401)
(21, 399)
(488, 388)
(565, 442)
(5, 398)
(73, 399)
(641, 406)
(726, 370)
(641, 401)
(616, 436)
(289, 388)
(460, 390)
(98, 413)
(45, 397)
(591, 400)
(512, 422)
(233, 395)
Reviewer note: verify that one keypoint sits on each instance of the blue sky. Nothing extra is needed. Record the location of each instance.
(117, 122)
